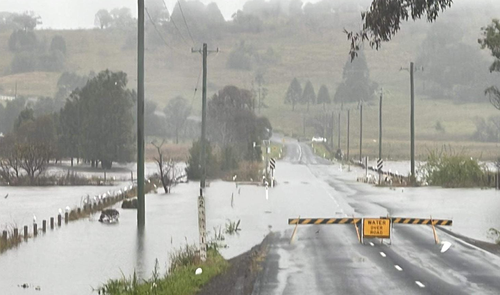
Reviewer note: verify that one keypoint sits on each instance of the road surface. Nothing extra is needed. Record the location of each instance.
(328, 259)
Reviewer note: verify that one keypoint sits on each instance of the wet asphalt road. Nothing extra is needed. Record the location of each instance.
(328, 259)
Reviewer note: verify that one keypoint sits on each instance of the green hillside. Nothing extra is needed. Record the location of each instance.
(315, 55)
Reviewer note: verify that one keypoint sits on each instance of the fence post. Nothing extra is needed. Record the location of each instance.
(25, 231)
(35, 229)
(16, 233)
(59, 220)
(4, 235)
(52, 223)
(66, 217)
(44, 225)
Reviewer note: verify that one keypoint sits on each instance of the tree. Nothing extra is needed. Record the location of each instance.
(461, 76)
(28, 20)
(383, 20)
(168, 171)
(491, 40)
(232, 124)
(106, 119)
(193, 169)
(11, 113)
(27, 115)
(158, 12)
(356, 85)
(323, 96)
(177, 111)
(261, 91)
(58, 43)
(308, 96)
(70, 123)
(21, 40)
(103, 19)
(294, 93)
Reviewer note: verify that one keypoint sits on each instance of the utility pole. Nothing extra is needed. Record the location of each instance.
(141, 202)
(201, 199)
(361, 132)
(348, 135)
(333, 136)
(412, 126)
(412, 71)
(380, 136)
(338, 131)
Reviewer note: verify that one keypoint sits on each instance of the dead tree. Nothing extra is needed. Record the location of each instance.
(168, 171)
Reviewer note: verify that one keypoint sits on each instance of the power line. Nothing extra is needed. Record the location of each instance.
(156, 29)
(173, 22)
(159, 33)
(187, 27)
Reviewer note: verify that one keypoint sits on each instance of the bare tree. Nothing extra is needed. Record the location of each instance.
(169, 174)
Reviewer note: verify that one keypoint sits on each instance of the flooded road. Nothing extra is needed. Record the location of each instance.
(86, 253)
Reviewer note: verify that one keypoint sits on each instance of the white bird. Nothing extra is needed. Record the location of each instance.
(198, 271)
(34, 219)
(60, 211)
(234, 177)
(68, 209)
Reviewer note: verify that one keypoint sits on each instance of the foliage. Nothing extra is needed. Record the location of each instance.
(193, 169)
(12, 110)
(309, 96)
(260, 91)
(245, 22)
(58, 44)
(232, 227)
(461, 76)
(323, 96)
(29, 148)
(356, 84)
(450, 169)
(383, 20)
(101, 114)
(28, 20)
(294, 93)
(487, 130)
(177, 111)
(232, 123)
(21, 40)
(491, 41)
(179, 281)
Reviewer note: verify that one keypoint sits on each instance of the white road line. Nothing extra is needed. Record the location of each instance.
(398, 267)
(382, 254)
(372, 244)
(420, 284)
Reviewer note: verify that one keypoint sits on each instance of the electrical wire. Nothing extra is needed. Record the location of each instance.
(159, 34)
(173, 22)
(184, 18)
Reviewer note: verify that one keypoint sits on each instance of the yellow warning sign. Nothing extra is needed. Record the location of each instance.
(376, 228)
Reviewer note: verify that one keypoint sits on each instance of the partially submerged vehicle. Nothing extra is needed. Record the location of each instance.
(109, 216)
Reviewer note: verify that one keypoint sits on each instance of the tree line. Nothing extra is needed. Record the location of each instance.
(234, 134)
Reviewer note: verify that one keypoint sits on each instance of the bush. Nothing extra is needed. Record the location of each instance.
(58, 44)
(23, 62)
(450, 169)
(22, 40)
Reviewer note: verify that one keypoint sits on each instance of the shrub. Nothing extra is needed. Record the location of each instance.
(450, 169)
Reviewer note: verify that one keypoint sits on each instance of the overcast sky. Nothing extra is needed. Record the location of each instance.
(73, 14)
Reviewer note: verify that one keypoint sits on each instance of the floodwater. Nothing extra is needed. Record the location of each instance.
(85, 254)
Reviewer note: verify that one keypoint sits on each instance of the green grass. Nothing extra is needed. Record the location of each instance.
(320, 150)
(180, 281)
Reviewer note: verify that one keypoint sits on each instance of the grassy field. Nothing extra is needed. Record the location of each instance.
(305, 54)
